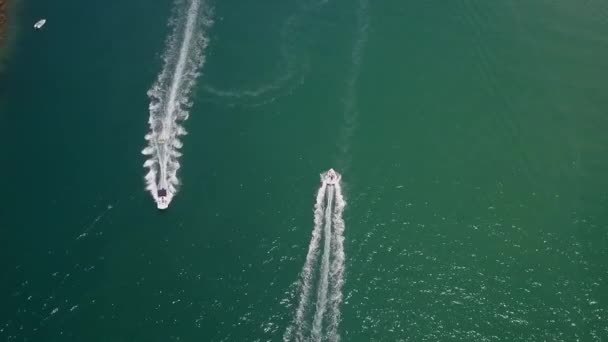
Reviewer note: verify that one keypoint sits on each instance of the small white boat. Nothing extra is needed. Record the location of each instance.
(331, 177)
(162, 202)
(38, 25)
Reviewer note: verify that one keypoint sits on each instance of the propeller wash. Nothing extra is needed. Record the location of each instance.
(169, 97)
(321, 321)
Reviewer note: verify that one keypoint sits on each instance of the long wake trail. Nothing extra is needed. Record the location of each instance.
(306, 277)
(170, 97)
(337, 266)
(323, 322)
(321, 306)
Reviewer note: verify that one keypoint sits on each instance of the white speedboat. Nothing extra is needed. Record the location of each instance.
(38, 25)
(162, 202)
(331, 177)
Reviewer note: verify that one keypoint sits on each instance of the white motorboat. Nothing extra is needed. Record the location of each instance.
(162, 201)
(331, 177)
(38, 25)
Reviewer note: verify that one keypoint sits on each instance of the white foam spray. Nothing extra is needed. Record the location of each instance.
(337, 266)
(169, 96)
(306, 276)
(323, 286)
(329, 225)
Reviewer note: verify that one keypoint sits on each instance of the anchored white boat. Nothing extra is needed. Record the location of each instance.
(38, 25)
(331, 177)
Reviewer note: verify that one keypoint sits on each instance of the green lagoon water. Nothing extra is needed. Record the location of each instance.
(471, 137)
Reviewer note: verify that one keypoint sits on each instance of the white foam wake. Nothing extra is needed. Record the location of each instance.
(169, 96)
(323, 286)
(337, 266)
(329, 225)
(306, 276)
(351, 110)
(292, 67)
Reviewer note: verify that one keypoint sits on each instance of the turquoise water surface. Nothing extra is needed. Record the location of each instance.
(470, 136)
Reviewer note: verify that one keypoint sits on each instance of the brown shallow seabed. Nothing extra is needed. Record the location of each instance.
(4, 28)
(3, 21)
